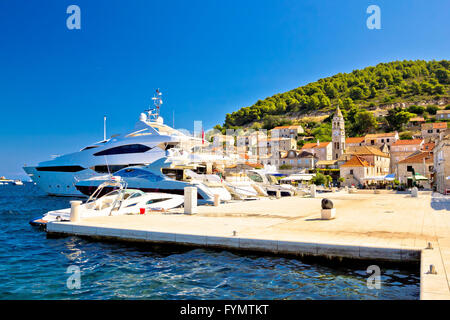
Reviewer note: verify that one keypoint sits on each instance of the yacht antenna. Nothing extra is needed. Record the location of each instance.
(157, 102)
(104, 128)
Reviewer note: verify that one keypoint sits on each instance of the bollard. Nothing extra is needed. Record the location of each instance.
(432, 269)
(328, 211)
(75, 211)
(216, 200)
(278, 193)
(190, 200)
(313, 190)
(414, 192)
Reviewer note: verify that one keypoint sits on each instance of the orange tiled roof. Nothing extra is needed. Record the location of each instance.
(418, 158)
(381, 135)
(354, 140)
(428, 146)
(440, 125)
(407, 142)
(417, 119)
(314, 145)
(356, 161)
(287, 127)
(366, 150)
(436, 125)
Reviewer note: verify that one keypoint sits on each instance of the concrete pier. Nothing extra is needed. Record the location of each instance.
(385, 227)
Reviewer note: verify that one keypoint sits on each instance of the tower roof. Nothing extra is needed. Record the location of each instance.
(338, 112)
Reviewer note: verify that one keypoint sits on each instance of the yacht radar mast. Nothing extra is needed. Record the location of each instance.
(153, 113)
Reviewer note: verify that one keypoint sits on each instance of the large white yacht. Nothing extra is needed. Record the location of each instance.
(150, 140)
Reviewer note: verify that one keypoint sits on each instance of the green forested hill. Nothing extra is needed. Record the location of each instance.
(386, 83)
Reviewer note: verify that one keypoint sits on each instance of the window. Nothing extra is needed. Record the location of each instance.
(138, 173)
(130, 148)
(61, 168)
(112, 168)
(351, 171)
(157, 200)
(255, 177)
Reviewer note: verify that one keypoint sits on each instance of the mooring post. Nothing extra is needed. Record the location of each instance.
(75, 211)
(190, 200)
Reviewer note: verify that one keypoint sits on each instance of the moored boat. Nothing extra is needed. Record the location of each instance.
(120, 201)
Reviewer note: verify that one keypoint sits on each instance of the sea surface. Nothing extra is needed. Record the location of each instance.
(34, 267)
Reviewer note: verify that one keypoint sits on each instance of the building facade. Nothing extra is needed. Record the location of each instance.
(441, 166)
(298, 160)
(420, 163)
(443, 115)
(380, 139)
(322, 150)
(433, 130)
(401, 149)
(286, 132)
(355, 171)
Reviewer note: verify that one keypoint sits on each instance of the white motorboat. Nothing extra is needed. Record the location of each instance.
(150, 178)
(268, 181)
(243, 188)
(214, 183)
(120, 201)
(18, 182)
(150, 140)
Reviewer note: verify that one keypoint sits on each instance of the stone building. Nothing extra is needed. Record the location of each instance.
(379, 160)
(419, 163)
(298, 160)
(322, 150)
(443, 115)
(286, 132)
(355, 171)
(380, 139)
(354, 142)
(442, 164)
(433, 130)
(275, 145)
(401, 149)
(248, 142)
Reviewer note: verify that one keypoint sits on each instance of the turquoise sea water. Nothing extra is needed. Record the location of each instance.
(34, 267)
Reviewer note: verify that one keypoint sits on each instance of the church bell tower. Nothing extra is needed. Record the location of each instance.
(338, 132)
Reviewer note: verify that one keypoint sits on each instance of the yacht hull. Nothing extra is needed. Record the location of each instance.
(58, 183)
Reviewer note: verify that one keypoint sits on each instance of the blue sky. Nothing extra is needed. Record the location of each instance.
(208, 58)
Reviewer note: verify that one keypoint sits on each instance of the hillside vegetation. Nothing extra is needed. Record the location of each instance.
(386, 83)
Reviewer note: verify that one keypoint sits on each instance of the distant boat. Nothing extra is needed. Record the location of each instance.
(4, 181)
(18, 182)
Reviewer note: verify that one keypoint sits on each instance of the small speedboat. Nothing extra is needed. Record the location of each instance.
(120, 201)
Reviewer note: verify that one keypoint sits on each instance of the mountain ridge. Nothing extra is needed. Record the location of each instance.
(375, 87)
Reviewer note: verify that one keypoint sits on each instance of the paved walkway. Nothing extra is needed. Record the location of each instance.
(376, 226)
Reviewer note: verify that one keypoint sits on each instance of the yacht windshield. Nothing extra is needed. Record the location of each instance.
(138, 173)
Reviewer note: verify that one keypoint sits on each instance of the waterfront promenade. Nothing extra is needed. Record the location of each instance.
(386, 226)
